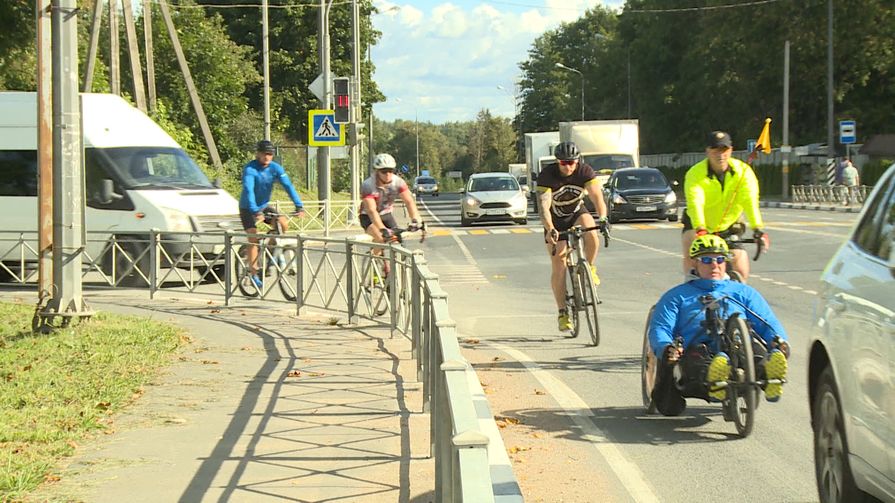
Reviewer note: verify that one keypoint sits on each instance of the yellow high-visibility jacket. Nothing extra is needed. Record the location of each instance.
(715, 209)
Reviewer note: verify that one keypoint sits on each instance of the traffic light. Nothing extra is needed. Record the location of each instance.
(342, 107)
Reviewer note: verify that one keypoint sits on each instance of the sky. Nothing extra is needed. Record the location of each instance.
(440, 61)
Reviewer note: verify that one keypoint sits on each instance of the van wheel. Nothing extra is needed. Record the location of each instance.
(129, 259)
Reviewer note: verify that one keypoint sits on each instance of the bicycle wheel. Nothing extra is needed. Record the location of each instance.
(286, 275)
(573, 296)
(735, 276)
(243, 278)
(589, 301)
(742, 394)
(648, 368)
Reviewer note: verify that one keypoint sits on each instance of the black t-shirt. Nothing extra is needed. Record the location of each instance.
(567, 192)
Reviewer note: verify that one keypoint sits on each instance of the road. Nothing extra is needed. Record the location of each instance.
(572, 413)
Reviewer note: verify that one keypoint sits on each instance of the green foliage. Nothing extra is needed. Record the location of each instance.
(63, 387)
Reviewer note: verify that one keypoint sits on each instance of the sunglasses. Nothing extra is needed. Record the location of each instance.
(567, 163)
(708, 260)
(386, 171)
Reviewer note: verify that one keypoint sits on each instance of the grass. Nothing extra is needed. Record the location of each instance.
(57, 390)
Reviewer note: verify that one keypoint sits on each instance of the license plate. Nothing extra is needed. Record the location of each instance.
(495, 212)
(645, 208)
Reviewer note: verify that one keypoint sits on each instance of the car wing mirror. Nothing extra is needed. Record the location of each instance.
(462, 190)
(107, 194)
(674, 183)
(217, 183)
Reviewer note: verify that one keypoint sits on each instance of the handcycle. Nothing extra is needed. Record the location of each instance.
(275, 260)
(732, 336)
(581, 292)
(376, 285)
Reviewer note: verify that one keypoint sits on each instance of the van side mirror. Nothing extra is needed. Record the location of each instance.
(674, 183)
(217, 183)
(107, 193)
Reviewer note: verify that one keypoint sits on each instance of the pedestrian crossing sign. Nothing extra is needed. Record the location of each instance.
(323, 131)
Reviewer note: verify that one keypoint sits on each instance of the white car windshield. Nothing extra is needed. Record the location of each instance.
(487, 184)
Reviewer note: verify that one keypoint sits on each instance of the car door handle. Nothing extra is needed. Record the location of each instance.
(836, 305)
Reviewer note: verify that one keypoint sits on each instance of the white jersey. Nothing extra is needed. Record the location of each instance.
(383, 195)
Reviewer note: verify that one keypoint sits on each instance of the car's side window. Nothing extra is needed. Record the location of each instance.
(887, 232)
(869, 233)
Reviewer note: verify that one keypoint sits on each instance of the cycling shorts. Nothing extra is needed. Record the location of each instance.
(387, 219)
(563, 224)
(248, 218)
(733, 245)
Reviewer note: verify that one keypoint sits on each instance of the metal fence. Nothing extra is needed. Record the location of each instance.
(834, 194)
(334, 274)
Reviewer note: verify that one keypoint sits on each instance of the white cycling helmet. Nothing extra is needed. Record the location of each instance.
(384, 161)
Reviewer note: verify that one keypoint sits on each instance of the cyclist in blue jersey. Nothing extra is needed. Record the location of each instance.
(258, 178)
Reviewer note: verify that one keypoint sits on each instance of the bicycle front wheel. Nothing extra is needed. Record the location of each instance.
(286, 275)
(243, 278)
(589, 301)
(573, 299)
(742, 395)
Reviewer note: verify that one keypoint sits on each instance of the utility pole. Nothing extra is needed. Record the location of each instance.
(323, 167)
(265, 63)
(356, 120)
(45, 150)
(416, 120)
(785, 148)
(831, 147)
(94, 43)
(114, 66)
(68, 186)
(134, 54)
(150, 60)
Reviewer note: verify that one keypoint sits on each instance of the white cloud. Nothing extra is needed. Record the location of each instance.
(445, 61)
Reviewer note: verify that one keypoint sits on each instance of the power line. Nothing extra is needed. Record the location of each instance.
(706, 8)
(248, 5)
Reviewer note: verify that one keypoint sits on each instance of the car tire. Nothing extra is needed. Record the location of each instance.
(830, 445)
(464, 222)
(522, 221)
(673, 218)
(612, 218)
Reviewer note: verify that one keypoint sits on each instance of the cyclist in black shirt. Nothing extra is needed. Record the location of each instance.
(562, 187)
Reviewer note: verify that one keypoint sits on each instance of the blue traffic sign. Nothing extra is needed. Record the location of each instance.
(750, 145)
(323, 131)
(848, 132)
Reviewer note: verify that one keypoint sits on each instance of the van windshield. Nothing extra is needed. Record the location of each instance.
(608, 163)
(150, 167)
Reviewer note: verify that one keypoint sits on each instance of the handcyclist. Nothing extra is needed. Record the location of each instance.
(258, 178)
(378, 194)
(562, 187)
(719, 189)
(680, 314)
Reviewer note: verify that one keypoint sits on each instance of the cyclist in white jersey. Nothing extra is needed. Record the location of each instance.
(378, 195)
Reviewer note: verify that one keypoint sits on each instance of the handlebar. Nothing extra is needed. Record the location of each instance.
(759, 244)
(577, 231)
(396, 236)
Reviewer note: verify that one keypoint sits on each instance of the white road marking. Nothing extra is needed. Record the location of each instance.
(422, 203)
(803, 231)
(658, 250)
(628, 473)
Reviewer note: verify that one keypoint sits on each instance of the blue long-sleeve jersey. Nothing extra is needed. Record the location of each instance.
(680, 313)
(257, 185)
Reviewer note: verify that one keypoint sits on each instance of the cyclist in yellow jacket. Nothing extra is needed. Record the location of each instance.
(719, 189)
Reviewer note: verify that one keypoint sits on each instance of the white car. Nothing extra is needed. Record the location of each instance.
(493, 197)
(851, 370)
(425, 185)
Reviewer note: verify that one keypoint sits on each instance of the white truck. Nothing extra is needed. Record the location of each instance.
(137, 178)
(539, 152)
(519, 172)
(605, 145)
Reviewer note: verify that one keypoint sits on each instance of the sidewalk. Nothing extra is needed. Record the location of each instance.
(261, 406)
(812, 206)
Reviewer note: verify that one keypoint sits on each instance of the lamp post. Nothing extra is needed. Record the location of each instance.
(564, 67)
(513, 96)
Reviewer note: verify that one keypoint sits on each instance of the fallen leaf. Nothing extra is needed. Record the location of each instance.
(210, 362)
(294, 373)
(210, 302)
(539, 392)
(215, 311)
(245, 348)
(52, 478)
(537, 434)
(103, 405)
(516, 448)
(72, 444)
(507, 419)
(496, 359)
(471, 341)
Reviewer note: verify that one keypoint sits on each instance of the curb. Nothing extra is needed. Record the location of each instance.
(809, 206)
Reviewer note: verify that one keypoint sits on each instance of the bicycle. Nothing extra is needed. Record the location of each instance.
(734, 237)
(376, 270)
(275, 259)
(581, 292)
(732, 336)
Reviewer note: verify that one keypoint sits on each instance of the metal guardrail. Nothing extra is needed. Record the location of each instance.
(321, 272)
(833, 194)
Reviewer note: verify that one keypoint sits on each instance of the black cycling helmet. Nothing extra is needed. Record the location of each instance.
(566, 151)
(264, 146)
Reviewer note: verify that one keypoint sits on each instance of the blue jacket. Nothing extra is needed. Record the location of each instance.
(257, 185)
(680, 313)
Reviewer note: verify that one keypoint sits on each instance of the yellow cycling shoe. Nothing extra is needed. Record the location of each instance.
(564, 322)
(719, 370)
(775, 368)
(593, 275)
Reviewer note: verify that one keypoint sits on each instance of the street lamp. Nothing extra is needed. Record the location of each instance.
(564, 67)
(513, 96)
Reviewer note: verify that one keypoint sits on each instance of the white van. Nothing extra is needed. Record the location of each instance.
(136, 178)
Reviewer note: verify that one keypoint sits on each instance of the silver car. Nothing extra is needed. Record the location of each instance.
(425, 185)
(493, 197)
(851, 370)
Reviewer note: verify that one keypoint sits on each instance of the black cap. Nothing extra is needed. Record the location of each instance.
(264, 146)
(718, 139)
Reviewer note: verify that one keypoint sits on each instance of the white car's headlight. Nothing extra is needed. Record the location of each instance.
(671, 198)
(471, 201)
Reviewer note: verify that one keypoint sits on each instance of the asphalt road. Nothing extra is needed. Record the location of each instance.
(588, 399)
